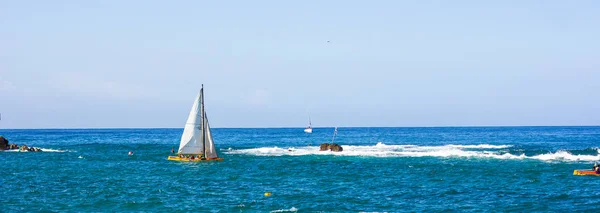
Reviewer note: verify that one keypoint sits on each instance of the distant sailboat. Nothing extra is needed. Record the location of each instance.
(196, 141)
(309, 128)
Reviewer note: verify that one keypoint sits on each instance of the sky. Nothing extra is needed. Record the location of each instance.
(140, 63)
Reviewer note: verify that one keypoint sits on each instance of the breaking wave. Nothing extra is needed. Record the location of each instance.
(43, 150)
(383, 150)
(293, 209)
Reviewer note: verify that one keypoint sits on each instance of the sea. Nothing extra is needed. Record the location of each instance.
(431, 169)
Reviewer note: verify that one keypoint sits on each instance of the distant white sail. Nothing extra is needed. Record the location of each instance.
(211, 151)
(309, 128)
(191, 139)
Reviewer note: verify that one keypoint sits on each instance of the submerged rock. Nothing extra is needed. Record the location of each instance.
(334, 147)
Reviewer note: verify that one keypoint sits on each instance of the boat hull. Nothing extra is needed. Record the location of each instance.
(177, 158)
(308, 130)
(585, 172)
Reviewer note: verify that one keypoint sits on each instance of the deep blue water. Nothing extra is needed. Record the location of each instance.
(466, 169)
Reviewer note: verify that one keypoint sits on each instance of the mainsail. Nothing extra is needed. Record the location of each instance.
(192, 140)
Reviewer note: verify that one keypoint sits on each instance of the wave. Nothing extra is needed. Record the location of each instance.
(293, 209)
(53, 150)
(383, 150)
(43, 150)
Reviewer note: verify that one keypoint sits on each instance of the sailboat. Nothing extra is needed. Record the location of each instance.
(309, 128)
(196, 141)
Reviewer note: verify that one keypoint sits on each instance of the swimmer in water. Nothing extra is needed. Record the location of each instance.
(130, 153)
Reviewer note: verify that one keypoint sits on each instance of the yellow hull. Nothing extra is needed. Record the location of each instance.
(177, 158)
(585, 172)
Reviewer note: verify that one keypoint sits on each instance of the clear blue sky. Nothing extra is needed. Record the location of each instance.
(70, 64)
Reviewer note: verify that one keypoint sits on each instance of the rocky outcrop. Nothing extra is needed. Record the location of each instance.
(3, 143)
(334, 147)
(324, 147)
(30, 149)
(5, 146)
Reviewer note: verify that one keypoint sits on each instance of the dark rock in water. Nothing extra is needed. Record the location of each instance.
(334, 147)
(5, 146)
(13, 146)
(3, 143)
(324, 147)
(35, 149)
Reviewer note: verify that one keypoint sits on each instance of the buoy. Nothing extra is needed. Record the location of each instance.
(267, 194)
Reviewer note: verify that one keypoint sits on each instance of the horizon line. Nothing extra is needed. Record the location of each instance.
(458, 126)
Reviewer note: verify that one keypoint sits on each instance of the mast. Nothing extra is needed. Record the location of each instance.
(203, 127)
(334, 134)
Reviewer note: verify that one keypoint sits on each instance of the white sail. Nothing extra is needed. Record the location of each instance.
(211, 151)
(191, 140)
(309, 128)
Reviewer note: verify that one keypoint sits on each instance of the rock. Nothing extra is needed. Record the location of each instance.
(5, 146)
(324, 147)
(335, 147)
(3, 143)
(13, 146)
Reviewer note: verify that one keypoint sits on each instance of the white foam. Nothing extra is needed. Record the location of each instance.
(43, 150)
(482, 146)
(53, 150)
(383, 150)
(566, 156)
(293, 209)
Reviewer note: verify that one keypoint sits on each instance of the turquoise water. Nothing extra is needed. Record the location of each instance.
(496, 169)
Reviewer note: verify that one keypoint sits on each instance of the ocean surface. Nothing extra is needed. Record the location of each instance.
(465, 169)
